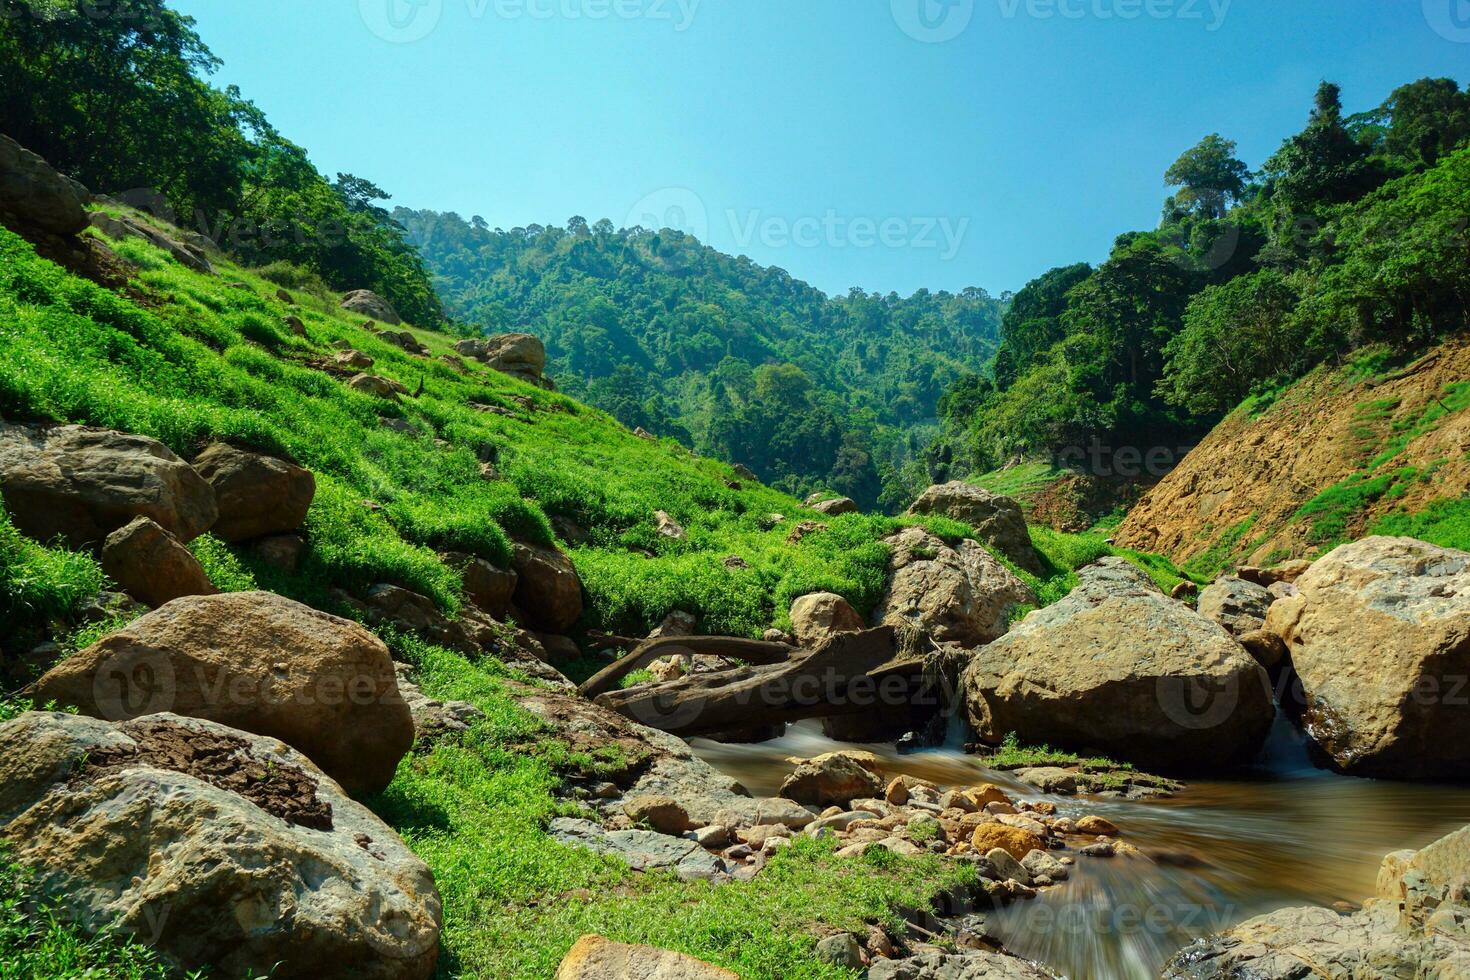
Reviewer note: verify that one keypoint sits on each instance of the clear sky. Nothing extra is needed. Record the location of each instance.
(886, 144)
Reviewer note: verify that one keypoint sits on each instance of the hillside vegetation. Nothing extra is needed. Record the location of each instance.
(738, 360)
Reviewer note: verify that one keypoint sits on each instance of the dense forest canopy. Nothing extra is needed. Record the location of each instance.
(118, 97)
(1353, 233)
(735, 359)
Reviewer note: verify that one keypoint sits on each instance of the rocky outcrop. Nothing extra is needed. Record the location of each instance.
(191, 256)
(81, 484)
(33, 196)
(547, 588)
(371, 305)
(257, 495)
(257, 662)
(819, 615)
(961, 595)
(151, 565)
(1235, 604)
(997, 520)
(1379, 637)
(519, 354)
(1120, 668)
(595, 958)
(218, 848)
(1417, 926)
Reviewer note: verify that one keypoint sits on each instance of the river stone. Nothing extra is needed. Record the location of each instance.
(1118, 667)
(151, 565)
(147, 824)
(81, 484)
(961, 595)
(1235, 604)
(254, 661)
(831, 780)
(595, 958)
(997, 520)
(1049, 779)
(371, 305)
(931, 965)
(258, 495)
(1041, 864)
(1379, 635)
(641, 850)
(817, 616)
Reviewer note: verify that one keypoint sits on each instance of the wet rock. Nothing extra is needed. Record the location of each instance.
(835, 779)
(819, 615)
(595, 958)
(1041, 864)
(1117, 667)
(1049, 779)
(961, 595)
(998, 520)
(1013, 840)
(1097, 826)
(1006, 867)
(1377, 636)
(213, 843)
(1102, 849)
(257, 495)
(257, 662)
(1235, 604)
(151, 565)
(371, 305)
(81, 484)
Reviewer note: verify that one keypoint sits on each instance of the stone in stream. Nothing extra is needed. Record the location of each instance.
(1049, 779)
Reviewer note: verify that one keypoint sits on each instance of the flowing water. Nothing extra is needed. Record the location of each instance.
(1219, 852)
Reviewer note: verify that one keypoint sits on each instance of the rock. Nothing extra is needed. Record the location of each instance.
(935, 965)
(405, 341)
(819, 615)
(662, 813)
(560, 650)
(1040, 864)
(745, 472)
(1013, 840)
(81, 484)
(518, 354)
(1287, 572)
(257, 662)
(285, 297)
(547, 588)
(223, 849)
(997, 520)
(257, 495)
(1049, 779)
(1097, 827)
(34, 196)
(486, 586)
(835, 779)
(676, 623)
(1378, 638)
(295, 325)
(1235, 604)
(151, 565)
(1006, 867)
(669, 528)
(897, 792)
(1268, 648)
(191, 256)
(735, 562)
(1102, 849)
(836, 507)
(371, 305)
(804, 528)
(1117, 667)
(353, 360)
(985, 794)
(1185, 591)
(666, 670)
(595, 958)
(370, 384)
(841, 950)
(641, 850)
(960, 595)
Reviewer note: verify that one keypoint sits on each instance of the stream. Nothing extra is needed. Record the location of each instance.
(1285, 833)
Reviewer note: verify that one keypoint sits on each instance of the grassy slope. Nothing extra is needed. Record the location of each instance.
(188, 358)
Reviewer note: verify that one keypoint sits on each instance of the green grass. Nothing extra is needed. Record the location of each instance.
(1024, 478)
(476, 809)
(1222, 552)
(38, 583)
(1444, 522)
(1011, 754)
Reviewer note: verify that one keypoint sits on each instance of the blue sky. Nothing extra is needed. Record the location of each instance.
(886, 144)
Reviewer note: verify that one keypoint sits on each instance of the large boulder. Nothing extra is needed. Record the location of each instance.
(1235, 604)
(221, 849)
(960, 595)
(817, 616)
(257, 662)
(258, 495)
(547, 588)
(151, 565)
(834, 779)
(519, 354)
(1120, 668)
(997, 520)
(595, 958)
(1379, 636)
(1417, 926)
(81, 484)
(371, 305)
(33, 196)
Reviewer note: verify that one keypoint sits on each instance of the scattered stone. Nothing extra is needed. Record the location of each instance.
(835, 507)
(897, 792)
(353, 360)
(713, 837)
(1049, 779)
(371, 305)
(841, 950)
(433, 719)
(1097, 826)
(803, 529)
(998, 520)
(735, 562)
(517, 354)
(151, 565)
(819, 615)
(547, 589)
(961, 595)
(257, 495)
(1185, 591)
(1006, 867)
(405, 342)
(936, 965)
(745, 472)
(1013, 840)
(370, 384)
(669, 528)
(641, 850)
(662, 813)
(1102, 849)
(486, 586)
(81, 484)
(595, 958)
(1235, 604)
(1040, 864)
(295, 325)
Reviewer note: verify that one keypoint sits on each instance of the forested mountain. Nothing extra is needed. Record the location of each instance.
(1353, 233)
(738, 360)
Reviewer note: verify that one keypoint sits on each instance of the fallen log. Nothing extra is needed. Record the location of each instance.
(850, 673)
(751, 651)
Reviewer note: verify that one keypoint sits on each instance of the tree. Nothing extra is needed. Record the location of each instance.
(1209, 176)
(1323, 164)
(1430, 117)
